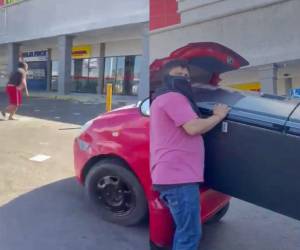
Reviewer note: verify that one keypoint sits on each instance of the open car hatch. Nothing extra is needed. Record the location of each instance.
(254, 154)
(207, 60)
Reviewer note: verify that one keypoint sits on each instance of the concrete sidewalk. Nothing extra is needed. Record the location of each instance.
(86, 98)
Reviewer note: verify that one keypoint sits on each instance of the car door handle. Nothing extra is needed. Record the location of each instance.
(224, 127)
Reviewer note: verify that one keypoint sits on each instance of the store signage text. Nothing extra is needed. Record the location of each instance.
(81, 52)
(35, 56)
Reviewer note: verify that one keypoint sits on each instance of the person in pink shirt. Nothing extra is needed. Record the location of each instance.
(177, 151)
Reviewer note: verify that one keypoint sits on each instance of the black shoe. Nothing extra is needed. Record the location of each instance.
(3, 114)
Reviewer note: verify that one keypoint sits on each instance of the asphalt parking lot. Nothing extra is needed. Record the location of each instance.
(43, 207)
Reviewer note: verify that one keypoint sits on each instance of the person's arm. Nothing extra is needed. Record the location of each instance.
(24, 86)
(201, 126)
(26, 89)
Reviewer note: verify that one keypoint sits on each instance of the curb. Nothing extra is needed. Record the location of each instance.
(85, 99)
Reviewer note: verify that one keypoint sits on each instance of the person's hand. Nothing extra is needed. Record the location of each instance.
(221, 110)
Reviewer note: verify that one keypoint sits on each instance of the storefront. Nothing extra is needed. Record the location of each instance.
(37, 69)
(89, 73)
(88, 45)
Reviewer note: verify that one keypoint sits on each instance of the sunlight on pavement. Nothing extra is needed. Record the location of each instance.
(30, 139)
(40, 158)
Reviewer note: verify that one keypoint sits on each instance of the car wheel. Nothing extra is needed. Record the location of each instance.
(115, 191)
(219, 215)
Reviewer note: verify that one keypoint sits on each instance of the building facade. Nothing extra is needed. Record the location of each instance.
(263, 31)
(77, 46)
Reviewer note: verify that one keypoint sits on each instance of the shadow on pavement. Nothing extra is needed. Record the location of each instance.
(66, 111)
(56, 216)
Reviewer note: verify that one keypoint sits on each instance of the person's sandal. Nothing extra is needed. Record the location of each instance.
(3, 114)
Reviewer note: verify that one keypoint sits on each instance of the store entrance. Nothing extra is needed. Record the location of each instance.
(37, 76)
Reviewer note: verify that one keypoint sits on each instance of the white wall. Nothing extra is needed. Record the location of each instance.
(126, 47)
(251, 75)
(262, 31)
(121, 40)
(114, 48)
(240, 76)
(206, 10)
(264, 35)
(33, 19)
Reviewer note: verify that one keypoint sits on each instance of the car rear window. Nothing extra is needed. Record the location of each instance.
(266, 106)
(295, 117)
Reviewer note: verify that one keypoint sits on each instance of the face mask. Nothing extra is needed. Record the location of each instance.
(179, 83)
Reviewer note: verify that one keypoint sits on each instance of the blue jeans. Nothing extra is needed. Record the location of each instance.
(184, 204)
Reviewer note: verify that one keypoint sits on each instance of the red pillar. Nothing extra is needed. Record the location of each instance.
(163, 13)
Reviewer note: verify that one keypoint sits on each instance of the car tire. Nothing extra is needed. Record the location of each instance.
(219, 215)
(116, 193)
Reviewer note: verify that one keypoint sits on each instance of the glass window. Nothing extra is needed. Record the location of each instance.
(85, 75)
(296, 115)
(118, 87)
(94, 68)
(94, 72)
(3, 75)
(85, 68)
(54, 78)
(136, 75)
(124, 73)
(110, 69)
(265, 106)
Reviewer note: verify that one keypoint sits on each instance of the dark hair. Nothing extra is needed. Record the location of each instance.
(17, 77)
(23, 65)
(174, 64)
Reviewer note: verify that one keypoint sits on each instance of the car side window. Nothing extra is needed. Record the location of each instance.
(145, 107)
(295, 117)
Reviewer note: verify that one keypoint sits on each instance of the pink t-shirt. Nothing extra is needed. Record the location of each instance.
(176, 157)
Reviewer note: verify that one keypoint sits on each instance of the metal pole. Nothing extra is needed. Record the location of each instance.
(109, 88)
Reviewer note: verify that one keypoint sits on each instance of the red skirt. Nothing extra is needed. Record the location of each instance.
(14, 95)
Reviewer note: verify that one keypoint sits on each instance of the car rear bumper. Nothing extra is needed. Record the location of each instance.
(211, 203)
(161, 223)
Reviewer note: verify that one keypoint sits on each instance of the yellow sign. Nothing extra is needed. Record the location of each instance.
(82, 52)
(249, 86)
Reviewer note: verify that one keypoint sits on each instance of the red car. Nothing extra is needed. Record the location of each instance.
(112, 162)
